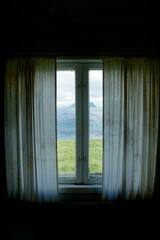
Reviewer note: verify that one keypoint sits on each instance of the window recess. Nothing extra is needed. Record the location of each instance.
(79, 121)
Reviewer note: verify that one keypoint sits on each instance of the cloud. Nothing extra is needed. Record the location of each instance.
(95, 87)
(69, 96)
(66, 87)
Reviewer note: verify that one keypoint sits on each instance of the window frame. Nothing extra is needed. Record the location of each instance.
(81, 68)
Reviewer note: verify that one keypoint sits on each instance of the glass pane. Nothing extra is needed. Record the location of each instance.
(95, 121)
(66, 121)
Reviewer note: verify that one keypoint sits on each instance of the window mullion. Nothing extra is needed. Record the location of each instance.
(86, 124)
(82, 121)
(79, 125)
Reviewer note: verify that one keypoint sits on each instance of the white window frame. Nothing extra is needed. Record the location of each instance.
(81, 68)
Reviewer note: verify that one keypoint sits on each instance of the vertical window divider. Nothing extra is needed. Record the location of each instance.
(86, 124)
(79, 113)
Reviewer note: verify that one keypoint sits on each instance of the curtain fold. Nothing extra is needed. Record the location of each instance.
(131, 105)
(30, 129)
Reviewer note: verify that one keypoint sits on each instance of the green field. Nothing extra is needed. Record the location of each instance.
(66, 156)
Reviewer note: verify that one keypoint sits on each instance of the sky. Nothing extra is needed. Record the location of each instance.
(66, 88)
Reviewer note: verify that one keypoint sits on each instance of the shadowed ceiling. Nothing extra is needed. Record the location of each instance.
(70, 23)
(82, 10)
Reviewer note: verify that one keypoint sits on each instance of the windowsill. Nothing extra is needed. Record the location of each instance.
(76, 188)
(74, 193)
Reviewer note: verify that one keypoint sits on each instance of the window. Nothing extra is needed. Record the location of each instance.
(79, 121)
(130, 98)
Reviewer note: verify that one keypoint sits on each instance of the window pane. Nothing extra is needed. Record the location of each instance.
(66, 121)
(95, 121)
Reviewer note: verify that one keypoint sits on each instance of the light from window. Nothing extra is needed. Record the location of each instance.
(95, 121)
(66, 122)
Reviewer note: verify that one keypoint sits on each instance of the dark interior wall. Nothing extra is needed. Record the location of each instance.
(82, 38)
(2, 158)
(74, 28)
(80, 27)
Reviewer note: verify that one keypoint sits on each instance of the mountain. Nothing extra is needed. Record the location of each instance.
(91, 104)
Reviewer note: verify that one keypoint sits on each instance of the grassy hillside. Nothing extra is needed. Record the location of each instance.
(66, 156)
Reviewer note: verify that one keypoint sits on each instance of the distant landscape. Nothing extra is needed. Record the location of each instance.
(66, 156)
(92, 105)
(66, 122)
(66, 139)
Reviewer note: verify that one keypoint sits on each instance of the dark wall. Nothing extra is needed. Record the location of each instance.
(80, 27)
(76, 28)
(91, 29)
(3, 194)
(81, 38)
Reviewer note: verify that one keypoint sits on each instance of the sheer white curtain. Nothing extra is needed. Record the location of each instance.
(30, 129)
(131, 105)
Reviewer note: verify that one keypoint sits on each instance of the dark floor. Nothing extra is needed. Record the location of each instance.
(31, 221)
